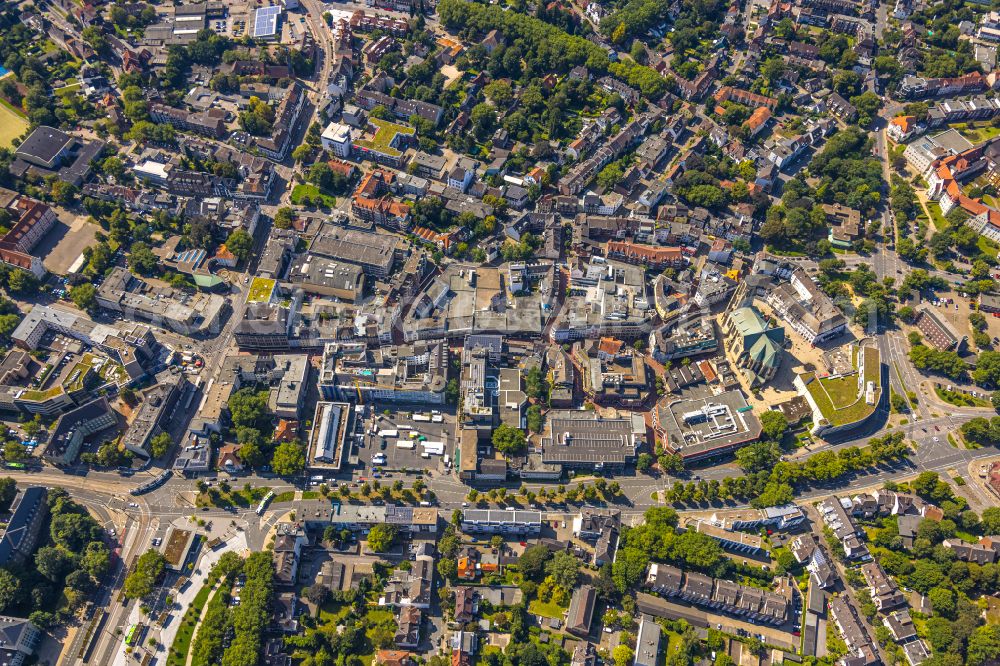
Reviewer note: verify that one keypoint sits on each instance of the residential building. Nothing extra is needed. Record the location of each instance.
(495, 521)
(20, 536)
(30, 221)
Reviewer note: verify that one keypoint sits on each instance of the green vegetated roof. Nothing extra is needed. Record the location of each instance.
(39, 396)
(838, 398)
(260, 289)
(385, 132)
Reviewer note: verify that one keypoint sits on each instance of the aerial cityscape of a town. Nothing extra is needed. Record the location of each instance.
(499, 333)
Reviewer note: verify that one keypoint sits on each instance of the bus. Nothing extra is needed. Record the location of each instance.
(132, 635)
(15, 465)
(263, 503)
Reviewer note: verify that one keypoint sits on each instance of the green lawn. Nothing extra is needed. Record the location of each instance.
(992, 610)
(960, 399)
(546, 608)
(182, 641)
(673, 642)
(977, 134)
(986, 246)
(286, 496)
(216, 497)
(310, 495)
(12, 124)
(306, 194)
(937, 216)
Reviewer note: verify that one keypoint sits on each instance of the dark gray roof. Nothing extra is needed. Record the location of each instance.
(27, 509)
(44, 144)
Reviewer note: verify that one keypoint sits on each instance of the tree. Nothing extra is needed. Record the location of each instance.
(991, 520)
(84, 296)
(159, 445)
(148, 568)
(532, 561)
(508, 440)
(670, 463)
(8, 491)
(984, 644)
(317, 593)
(141, 259)
(22, 282)
(774, 494)
(534, 418)
(53, 563)
(774, 425)
(247, 407)
(759, 455)
(10, 589)
(622, 655)
(381, 536)
(14, 451)
(284, 217)
(95, 559)
(534, 383)
(289, 459)
(240, 243)
(643, 462)
(564, 569)
(943, 601)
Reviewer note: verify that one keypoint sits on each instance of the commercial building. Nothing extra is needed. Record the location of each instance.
(414, 373)
(703, 428)
(383, 142)
(581, 439)
(176, 546)
(337, 139)
(849, 397)
(157, 402)
(266, 23)
(375, 253)
(329, 440)
(73, 427)
(48, 152)
(185, 313)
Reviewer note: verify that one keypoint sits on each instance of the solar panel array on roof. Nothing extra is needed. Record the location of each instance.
(265, 22)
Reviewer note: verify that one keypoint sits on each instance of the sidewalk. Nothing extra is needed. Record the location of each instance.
(182, 600)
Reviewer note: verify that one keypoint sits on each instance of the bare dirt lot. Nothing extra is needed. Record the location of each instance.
(65, 243)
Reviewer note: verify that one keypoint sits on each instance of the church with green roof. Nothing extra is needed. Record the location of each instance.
(755, 344)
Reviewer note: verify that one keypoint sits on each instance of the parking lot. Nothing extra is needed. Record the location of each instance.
(413, 444)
